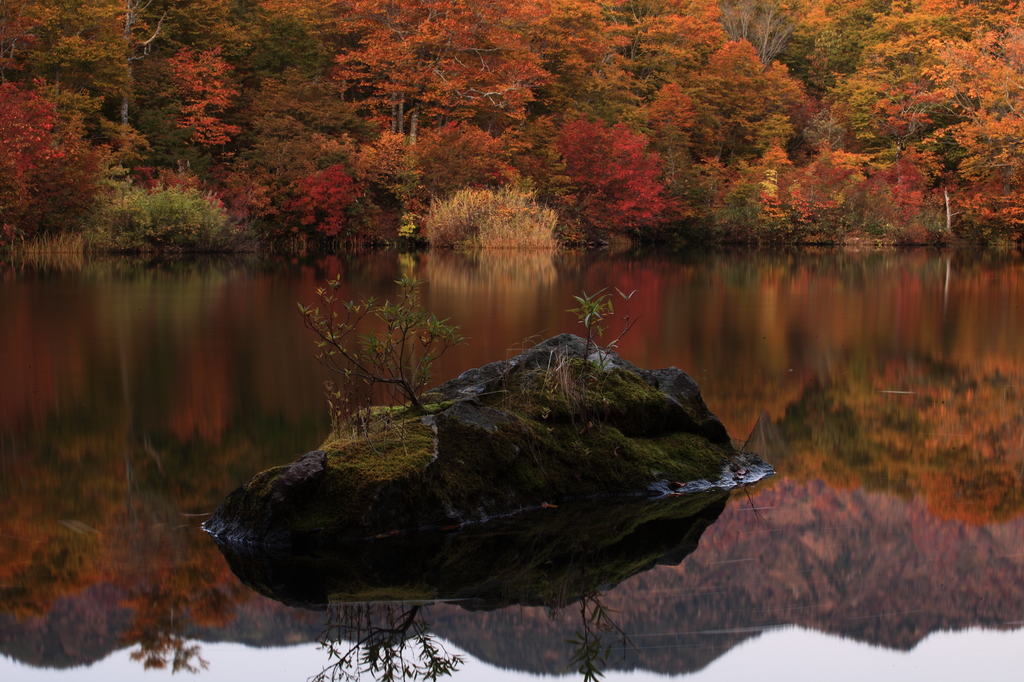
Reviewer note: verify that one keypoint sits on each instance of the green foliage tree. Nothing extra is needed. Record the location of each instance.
(78, 49)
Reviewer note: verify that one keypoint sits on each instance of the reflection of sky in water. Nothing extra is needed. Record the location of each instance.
(783, 655)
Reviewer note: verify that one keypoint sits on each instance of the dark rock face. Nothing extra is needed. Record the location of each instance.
(468, 414)
(682, 395)
(685, 401)
(297, 480)
(553, 423)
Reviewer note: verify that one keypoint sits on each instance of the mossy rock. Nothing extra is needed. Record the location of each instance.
(552, 424)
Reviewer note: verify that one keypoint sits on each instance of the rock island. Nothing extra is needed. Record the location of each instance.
(563, 420)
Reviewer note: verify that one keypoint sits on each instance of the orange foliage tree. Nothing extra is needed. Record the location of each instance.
(982, 78)
(673, 118)
(441, 60)
(202, 79)
(581, 52)
(743, 107)
(256, 99)
(458, 156)
(295, 129)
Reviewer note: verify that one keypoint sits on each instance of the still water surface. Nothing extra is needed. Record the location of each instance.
(885, 387)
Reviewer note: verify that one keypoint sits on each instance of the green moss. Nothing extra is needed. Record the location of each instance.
(357, 468)
(436, 408)
(523, 463)
(577, 392)
(624, 399)
(683, 457)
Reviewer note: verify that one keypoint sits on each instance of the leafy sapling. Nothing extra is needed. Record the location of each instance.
(400, 357)
(595, 311)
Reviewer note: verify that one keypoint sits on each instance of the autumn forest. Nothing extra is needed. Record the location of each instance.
(692, 120)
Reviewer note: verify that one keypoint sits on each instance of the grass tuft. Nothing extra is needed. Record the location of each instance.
(502, 218)
(61, 252)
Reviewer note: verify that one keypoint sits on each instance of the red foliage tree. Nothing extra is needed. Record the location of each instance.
(47, 173)
(323, 200)
(617, 181)
(905, 110)
(904, 187)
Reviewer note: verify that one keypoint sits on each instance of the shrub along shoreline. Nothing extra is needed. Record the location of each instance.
(187, 219)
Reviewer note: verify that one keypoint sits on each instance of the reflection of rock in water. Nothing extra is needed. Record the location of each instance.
(849, 563)
(543, 557)
(560, 558)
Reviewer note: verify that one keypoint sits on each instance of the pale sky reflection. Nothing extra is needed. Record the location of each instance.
(785, 655)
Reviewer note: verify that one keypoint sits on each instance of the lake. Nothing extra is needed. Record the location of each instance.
(884, 386)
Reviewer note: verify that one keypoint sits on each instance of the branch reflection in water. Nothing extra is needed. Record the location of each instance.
(592, 652)
(392, 641)
(163, 649)
(389, 641)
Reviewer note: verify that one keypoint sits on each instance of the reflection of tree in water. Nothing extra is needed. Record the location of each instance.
(161, 650)
(392, 641)
(592, 652)
(389, 641)
(169, 601)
